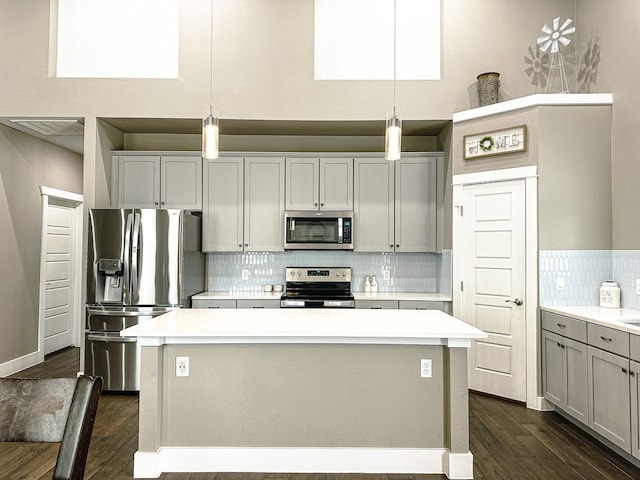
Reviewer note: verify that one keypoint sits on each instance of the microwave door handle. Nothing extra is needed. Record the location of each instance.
(340, 230)
(135, 251)
(127, 260)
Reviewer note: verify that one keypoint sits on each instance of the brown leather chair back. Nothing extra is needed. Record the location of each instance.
(52, 410)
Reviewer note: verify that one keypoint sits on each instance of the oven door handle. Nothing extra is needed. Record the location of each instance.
(314, 303)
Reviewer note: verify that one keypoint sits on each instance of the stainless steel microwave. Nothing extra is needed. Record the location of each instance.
(310, 230)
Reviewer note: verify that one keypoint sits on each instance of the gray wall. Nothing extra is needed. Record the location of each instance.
(25, 164)
(571, 147)
(615, 27)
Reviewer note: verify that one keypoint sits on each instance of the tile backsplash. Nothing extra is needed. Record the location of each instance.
(583, 271)
(408, 272)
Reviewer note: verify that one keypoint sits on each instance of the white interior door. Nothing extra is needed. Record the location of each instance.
(58, 272)
(493, 251)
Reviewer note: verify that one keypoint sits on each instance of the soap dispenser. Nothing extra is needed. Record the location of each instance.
(374, 284)
(367, 284)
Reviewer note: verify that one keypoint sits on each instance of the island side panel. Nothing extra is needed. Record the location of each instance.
(304, 395)
(456, 400)
(150, 403)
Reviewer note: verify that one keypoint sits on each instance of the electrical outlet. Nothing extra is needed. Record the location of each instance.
(182, 366)
(425, 368)
(245, 273)
(386, 274)
(638, 286)
(559, 283)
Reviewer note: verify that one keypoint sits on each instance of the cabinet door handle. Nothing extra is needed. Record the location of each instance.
(624, 370)
(213, 306)
(246, 244)
(376, 308)
(632, 373)
(258, 306)
(561, 325)
(605, 339)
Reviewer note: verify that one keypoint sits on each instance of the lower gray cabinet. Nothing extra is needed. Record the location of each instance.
(564, 374)
(609, 396)
(210, 303)
(423, 305)
(258, 303)
(634, 372)
(377, 304)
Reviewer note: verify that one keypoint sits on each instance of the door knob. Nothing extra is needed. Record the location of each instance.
(517, 301)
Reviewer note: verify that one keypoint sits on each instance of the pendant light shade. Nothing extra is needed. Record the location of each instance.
(210, 121)
(210, 136)
(393, 137)
(393, 133)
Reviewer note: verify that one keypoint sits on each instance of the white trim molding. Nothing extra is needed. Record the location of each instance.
(74, 201)
(533, 101)
(304, 460)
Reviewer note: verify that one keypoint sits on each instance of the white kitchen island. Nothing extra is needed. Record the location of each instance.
(304, 390)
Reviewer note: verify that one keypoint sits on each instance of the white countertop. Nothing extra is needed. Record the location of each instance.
(429, 297)
(341, 326)
(618, 318)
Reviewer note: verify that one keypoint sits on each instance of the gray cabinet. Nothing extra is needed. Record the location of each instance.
(243, 204)
(158, 181)
(423, 305)
(634, 372)
(264, 204)
(258, 303)
(564, 374)
(609, 396)
(373, 206)
(319, 183)
(396, 205)
(222, 219)
(377, 304)
(415, 205)
(212, 303)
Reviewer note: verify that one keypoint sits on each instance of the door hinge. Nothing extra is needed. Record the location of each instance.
(460, 209)
(462, 286)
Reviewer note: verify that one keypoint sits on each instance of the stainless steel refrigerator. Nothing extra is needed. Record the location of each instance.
(141, 263)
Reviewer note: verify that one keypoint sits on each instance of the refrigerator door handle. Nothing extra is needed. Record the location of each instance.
(110, 338)
(135, 246)
(126, 287)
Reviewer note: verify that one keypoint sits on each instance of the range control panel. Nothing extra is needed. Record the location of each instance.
(327, 274)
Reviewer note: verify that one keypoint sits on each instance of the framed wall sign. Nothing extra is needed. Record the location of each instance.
(498, 142)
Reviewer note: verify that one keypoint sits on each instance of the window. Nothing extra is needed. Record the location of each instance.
(117, 38)
(354, 40)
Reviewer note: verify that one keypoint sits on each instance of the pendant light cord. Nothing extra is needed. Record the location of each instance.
(394, 58)
(211, 62)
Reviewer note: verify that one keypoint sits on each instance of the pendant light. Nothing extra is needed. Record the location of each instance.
(393, 134)
(210, 131)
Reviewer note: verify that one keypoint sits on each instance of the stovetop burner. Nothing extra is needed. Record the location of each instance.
(318, 287)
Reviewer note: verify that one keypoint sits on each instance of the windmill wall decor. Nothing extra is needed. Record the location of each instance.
(554, 38)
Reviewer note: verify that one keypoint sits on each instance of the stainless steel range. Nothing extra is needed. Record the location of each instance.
(318, 288)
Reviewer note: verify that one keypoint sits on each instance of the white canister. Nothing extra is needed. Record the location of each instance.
(610, 294)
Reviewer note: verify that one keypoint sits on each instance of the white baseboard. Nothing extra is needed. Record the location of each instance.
(304, 460)
(21, 363)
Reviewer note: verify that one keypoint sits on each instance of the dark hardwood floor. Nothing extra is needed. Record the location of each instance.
(507, 440)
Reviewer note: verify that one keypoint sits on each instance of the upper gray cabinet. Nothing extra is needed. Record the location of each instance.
(319, 183)
(157, 181)
(396, 204)
(243, 204)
